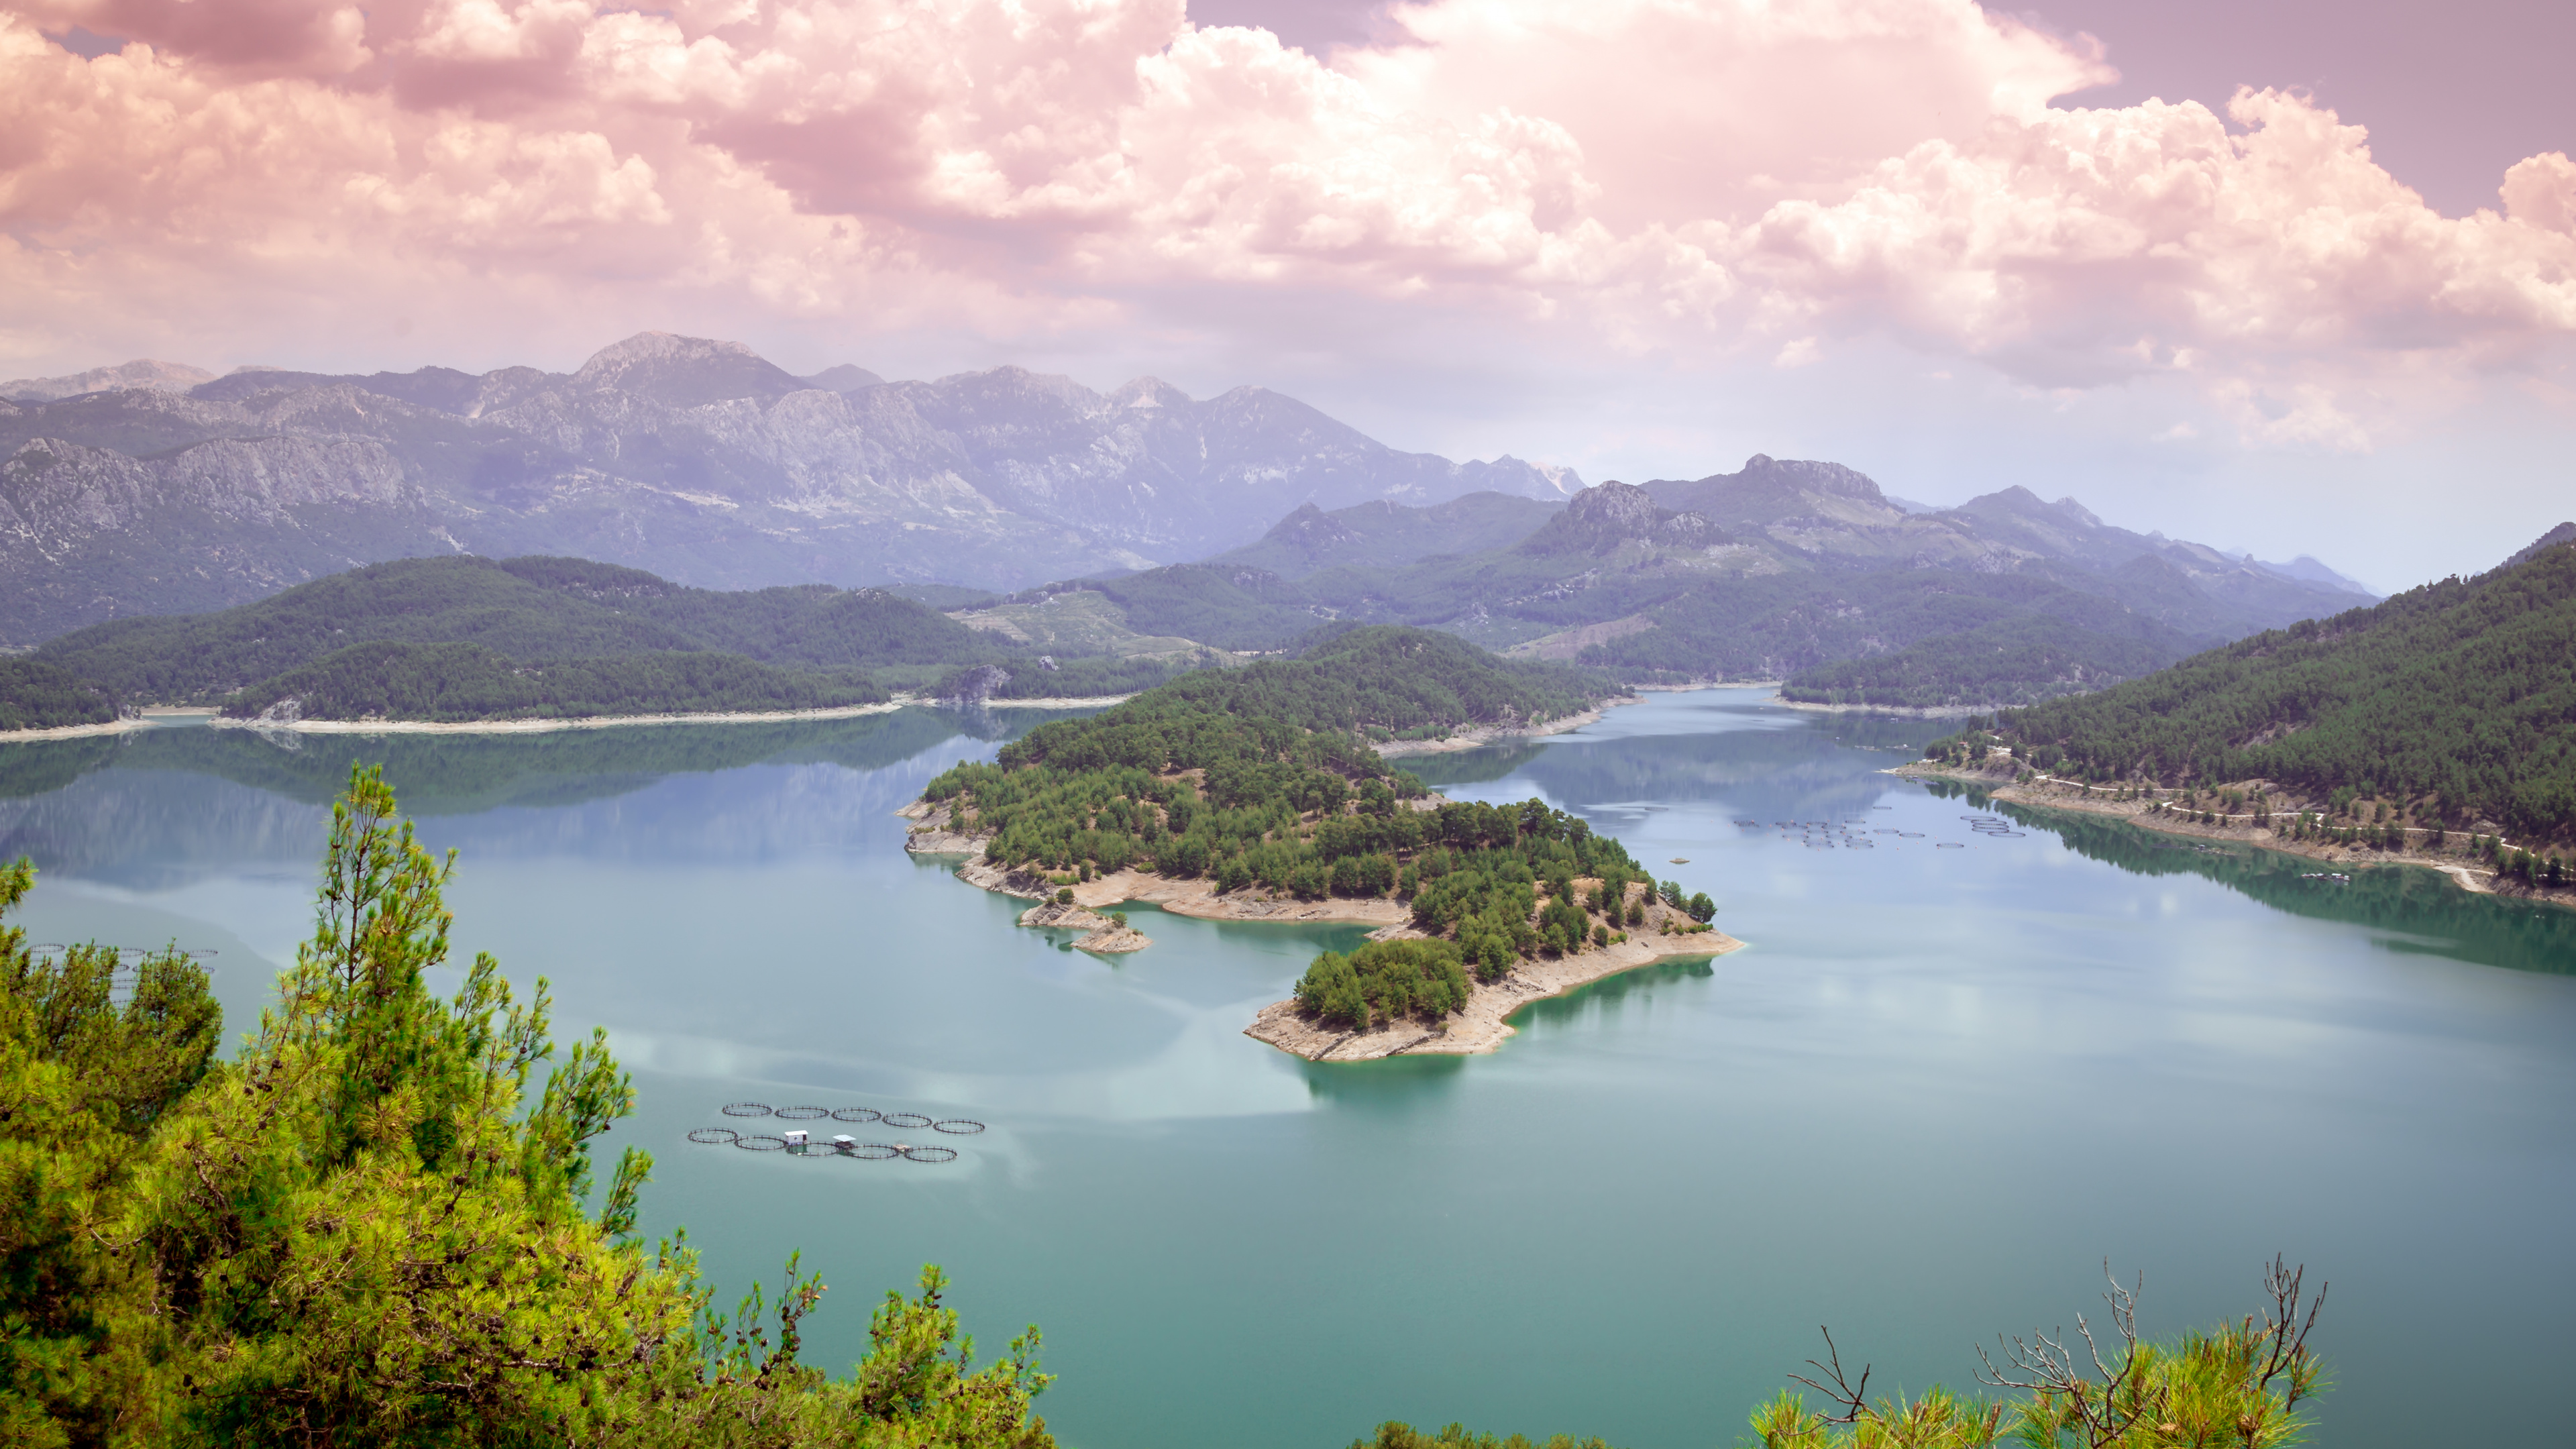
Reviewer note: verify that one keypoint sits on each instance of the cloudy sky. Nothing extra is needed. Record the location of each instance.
(2293, 277)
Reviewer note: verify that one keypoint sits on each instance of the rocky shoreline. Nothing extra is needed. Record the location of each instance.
(2051, 794)
(1101, 934)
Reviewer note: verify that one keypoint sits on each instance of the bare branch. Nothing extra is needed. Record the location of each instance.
(1851, 1396)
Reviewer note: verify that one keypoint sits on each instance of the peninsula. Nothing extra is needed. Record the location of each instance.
(1256, 794)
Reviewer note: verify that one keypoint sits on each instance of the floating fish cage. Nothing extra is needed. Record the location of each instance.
(798, 1142)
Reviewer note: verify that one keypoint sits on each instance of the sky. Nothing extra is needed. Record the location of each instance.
(2294, 277)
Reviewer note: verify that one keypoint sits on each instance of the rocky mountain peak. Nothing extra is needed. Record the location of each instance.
(143, 372)
(684, 371)
(843, 377)
(1149, 393)
(1606, 515)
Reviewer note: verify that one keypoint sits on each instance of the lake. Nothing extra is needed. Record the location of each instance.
(1952, 1073)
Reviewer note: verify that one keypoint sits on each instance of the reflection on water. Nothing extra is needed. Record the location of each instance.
(1627, 1221)
(2409, 908)
(459, 774)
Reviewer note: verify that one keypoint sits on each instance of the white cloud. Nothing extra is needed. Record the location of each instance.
(1693, 179)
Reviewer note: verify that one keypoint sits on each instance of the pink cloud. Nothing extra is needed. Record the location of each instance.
(1684, 177)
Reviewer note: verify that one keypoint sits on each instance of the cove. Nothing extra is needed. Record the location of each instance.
(1936, 1091)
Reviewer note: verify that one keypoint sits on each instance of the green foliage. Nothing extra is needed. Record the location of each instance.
(367, 1230)
(1384, 981)
(2020, 659)
(2236, 1386)
(1910, 637)
(38, 696)
(470, 682)
(1393, 678)
(2457, 699)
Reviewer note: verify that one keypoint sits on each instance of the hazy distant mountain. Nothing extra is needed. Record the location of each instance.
(696, 459)
(1388, 535)
(1824, 515)
(2308, 570)
(168, 376)
(2563, 533)
(1795, 569)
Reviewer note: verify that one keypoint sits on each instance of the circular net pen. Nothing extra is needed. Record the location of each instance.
(746, 1109)
(761, 1143)
(932, 1153)
(714, 1136)
(872, 1151)
(804, 1114)
(906, 1119)
(958, 1126)
(857, 1114)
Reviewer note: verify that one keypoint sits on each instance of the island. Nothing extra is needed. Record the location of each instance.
(1258, 794)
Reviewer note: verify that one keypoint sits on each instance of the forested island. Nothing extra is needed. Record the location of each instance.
(2439, 726)
(1256, 794)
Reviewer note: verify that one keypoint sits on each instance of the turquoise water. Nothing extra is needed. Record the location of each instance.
(1936, 1091)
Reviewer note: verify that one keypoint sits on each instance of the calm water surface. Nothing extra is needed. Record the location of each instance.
(1939, 1088)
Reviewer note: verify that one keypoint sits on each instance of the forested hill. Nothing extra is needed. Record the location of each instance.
(2451, 704)
(37, 696)
(465, 638)
(525, 608)
(456, 683)
(1381, 679)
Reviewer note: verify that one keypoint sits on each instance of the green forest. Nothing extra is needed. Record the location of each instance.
(456, 682)
(2018, 659)
(464, 638)
(525, 608)
(1914, 637)
(2444, 706)
(38, 696)
(1261, 777)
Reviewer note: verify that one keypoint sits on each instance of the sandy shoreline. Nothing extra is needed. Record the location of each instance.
(2079, 798)
(74, 732)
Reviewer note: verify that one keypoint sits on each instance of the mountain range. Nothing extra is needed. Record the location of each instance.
(1793, 570)
(153, 488)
